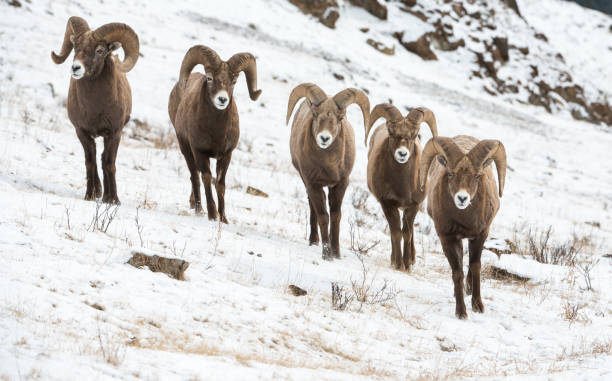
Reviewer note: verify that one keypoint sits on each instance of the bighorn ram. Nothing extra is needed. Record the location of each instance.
(99, 99)
(205, 118)
(394, 161)
(322, 149)
(462, 201)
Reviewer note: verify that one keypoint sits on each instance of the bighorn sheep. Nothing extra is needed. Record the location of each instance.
(205, 118)
(322, 146)
(462, 201)
(394, 160)
(99, 98)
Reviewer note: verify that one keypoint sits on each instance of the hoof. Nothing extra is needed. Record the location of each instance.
(224, 220)
(313, 241)
(111, 200)
(477, 305)
(461, 315)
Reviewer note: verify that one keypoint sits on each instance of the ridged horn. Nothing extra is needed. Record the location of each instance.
(196, 55)
(312, 92)
(434, 147)
(123, 33)
(74, 27)
(423, 114)
(383, 110)
(246, 62)
(491, 149)
(349, 96)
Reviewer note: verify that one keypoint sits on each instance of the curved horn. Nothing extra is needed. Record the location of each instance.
(383, 110)
(74, 27)
(423, 114)
(122, 33)
(491, 149)
(434, 147)
(311, 91)
(246, 62)
(198, 54)
(349, 96)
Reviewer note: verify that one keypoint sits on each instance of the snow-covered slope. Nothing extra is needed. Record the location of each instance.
(70, 308)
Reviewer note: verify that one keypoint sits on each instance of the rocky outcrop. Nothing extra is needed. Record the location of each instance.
(174, 268)
(372, 6)
(325, 10)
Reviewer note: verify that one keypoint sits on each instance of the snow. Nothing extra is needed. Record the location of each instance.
(232, 317)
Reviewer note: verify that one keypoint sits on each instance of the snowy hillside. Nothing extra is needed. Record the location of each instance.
(70, 308)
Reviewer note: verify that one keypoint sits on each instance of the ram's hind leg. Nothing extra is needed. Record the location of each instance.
(195, 200)
(317, 198)
(203, 164)
(94, 188)
(222, 165)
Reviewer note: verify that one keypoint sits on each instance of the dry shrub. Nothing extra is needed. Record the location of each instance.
(539, 245)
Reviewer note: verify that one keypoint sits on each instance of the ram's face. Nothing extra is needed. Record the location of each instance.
(326, 122)
(89, 55)
(220, 86)
(463, 181)
(403, 140)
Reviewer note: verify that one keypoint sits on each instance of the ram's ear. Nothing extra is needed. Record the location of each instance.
(441, 160)
(114, 46)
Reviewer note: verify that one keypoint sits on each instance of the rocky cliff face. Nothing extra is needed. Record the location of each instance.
(509, 58)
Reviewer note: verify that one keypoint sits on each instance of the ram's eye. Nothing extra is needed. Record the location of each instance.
(478, 176)
(100, 51)
(450, 175)
(209, 78)
(234, 81)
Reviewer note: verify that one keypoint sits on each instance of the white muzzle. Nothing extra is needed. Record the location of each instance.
(402, 155)
(221, 100)
(324, 139)
(462, 199)
(77, 70)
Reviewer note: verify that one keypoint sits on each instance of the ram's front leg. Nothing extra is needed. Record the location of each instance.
(475, 248)
(203, 164)
(336, 195)
(222, 165)
(395, 227)
(317, 197)
(408, 234)
(111, 145)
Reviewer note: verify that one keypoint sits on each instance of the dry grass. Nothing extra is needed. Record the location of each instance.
(539, 245)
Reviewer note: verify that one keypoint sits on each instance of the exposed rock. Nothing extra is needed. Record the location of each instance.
(372, 6)
(420, 47)
(175, 268)
(339, 77)
(501, 43)
(416, 13)
(459, 9)
(441, 37)
(512, 5)
(541, 36)
(412, 3)
(296, 291)
(14, 3)
(381, 47)
(325, 10)
(256, 192)
(364, 30)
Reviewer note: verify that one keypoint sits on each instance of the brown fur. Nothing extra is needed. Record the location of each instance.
(202, 130)
(395, 185)
(99, 103)
(318, 167)
(469, 168)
